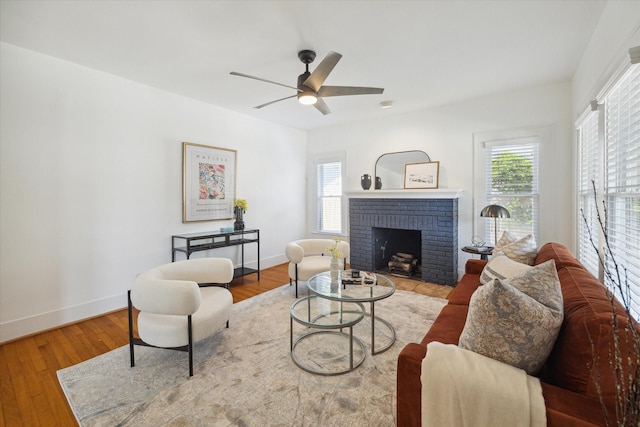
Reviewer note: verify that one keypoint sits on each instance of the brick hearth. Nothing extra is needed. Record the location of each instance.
(436, 218)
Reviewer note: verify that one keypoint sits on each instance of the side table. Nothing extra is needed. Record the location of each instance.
(483, 251)
(320, 285)
(326, 357)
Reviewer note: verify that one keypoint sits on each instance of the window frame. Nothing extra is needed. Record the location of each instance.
(316, 160)
(534, 135)
(585, 252)
(609, 194)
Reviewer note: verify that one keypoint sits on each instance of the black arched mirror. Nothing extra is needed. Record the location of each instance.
(390, 167)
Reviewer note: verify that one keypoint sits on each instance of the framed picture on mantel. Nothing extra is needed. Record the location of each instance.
(208, 182)
(421, 175)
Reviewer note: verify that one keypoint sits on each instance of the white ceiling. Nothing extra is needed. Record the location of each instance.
(424, 53)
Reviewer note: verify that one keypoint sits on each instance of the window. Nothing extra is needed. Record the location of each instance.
(329, 173)
(506, 173)
(511, 180)
(610, 157)
(589, 175)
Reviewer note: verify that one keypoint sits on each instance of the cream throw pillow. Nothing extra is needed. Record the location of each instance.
(504, 240)
(501, 267)
(523, 250)
(517, 320)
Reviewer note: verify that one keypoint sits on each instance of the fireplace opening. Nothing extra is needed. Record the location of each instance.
(398, 252)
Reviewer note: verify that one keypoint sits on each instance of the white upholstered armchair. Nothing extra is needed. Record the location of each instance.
(174, 311)
(308, 257)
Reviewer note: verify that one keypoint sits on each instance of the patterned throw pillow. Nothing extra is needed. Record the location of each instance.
(517, 320)
(523, 250)
(501, 267)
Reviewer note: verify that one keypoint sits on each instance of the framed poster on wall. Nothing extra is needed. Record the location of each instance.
(208, 182)
(421, 175)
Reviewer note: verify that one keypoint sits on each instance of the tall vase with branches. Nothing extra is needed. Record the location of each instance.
(625, 365)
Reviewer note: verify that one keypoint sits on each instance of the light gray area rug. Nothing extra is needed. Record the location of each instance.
(244, 375)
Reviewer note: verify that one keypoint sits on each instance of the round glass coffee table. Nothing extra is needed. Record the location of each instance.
(321, 285)
(326, 355)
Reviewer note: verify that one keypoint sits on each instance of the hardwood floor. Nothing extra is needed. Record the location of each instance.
(30, 394)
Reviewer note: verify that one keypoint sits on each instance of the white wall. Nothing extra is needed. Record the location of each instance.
(446, 134)
(91, 170)
(616, 32)
(91, 186)
(604, 57)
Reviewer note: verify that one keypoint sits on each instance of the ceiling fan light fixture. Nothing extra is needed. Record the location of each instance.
(310, 88)
(307, 97)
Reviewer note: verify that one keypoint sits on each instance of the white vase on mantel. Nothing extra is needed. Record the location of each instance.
(335, 266)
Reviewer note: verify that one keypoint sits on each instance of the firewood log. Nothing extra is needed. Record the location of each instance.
(399, 266)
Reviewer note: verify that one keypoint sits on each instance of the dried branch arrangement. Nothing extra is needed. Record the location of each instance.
(625, 365)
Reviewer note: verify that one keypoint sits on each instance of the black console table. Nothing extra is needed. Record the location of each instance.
(204, 241)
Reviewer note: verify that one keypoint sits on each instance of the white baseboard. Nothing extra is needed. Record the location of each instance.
(53, 319)
(269, 262)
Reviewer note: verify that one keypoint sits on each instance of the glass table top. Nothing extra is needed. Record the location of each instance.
(326, 314)
(320, 284)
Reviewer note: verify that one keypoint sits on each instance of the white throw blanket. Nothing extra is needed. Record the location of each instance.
(463, 388)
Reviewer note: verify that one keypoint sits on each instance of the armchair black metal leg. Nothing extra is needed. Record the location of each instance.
(130, 308)
(296, 281)
(190, 346)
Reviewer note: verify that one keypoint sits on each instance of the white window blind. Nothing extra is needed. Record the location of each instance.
(329, 196)
(622, 181)
(589, 174)
(512, 181)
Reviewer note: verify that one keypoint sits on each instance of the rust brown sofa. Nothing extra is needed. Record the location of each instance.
(567, 379)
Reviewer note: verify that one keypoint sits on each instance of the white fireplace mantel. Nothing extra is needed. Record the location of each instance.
(439, 193)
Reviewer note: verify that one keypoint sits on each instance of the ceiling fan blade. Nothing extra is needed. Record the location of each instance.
(322, 107)
(273, 102)
(319, 75)
(348, 90)
(234, 73)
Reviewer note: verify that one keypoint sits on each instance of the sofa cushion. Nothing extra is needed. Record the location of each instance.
(523, 250)
(516, 320)
(474, 266)
(559, 253)
(566, 408)
(582, 353)
(502, 267)
(447, 326)
(467, 285)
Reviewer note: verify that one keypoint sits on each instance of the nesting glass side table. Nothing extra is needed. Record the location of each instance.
(322, 350)
(321, 285)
